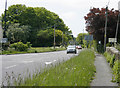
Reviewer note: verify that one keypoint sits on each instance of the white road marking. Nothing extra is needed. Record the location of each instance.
(50, 62)
(10, 66)
(54, 60)
(27, 62)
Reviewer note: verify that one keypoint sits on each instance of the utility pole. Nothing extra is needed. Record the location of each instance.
(117, 23)
(106, 14)
(62, 38)
(4, 34)
(54, 36)
(117, 29)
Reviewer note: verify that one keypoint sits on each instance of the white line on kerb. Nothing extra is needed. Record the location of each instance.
(10, 66)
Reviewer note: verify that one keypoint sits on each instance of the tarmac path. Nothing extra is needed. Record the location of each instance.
(103, 75)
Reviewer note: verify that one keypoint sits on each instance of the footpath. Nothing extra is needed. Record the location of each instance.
(103, 74)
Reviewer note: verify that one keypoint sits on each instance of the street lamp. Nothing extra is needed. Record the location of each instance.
(106, 14)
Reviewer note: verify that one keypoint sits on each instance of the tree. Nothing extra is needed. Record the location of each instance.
(16, 33)
(13, 14)
(46, 37)
(39, 19)
(95, 23)
(80, 38)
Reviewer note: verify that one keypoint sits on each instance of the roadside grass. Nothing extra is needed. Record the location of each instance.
(77, 71)
(33, 50)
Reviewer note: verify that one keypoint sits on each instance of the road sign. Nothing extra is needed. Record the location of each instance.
(89, 37)
(112, 39)
(3, 40)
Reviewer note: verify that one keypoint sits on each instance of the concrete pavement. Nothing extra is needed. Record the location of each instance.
(103, 74)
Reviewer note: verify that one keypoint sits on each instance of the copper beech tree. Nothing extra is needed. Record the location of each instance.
(95, 23)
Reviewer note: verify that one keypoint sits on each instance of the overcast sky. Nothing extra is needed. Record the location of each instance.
(71, 11)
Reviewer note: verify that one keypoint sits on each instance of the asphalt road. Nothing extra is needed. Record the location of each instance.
(24, 64)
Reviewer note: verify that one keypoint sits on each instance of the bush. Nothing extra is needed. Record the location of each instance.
(112, 60)
(19, 46)
(118, 47)
(116, 71)
(29, 45)
(108, 58)
(115, 64)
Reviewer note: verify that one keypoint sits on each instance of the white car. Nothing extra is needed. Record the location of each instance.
(71, 49)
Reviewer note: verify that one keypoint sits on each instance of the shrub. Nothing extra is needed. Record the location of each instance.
(112, 60)
(116, 71)
(108, 57)
(19, 46)
(29, 45)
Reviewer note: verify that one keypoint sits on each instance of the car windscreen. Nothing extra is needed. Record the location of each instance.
(71, 46)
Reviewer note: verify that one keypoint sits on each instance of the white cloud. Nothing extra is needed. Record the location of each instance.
(69, 15)
(71, 11)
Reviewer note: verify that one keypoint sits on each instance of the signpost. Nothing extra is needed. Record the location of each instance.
(112, 40)
(88, 38)
(4, 40)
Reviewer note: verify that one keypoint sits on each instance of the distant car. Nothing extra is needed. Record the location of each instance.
(71, 49)
(79, 47)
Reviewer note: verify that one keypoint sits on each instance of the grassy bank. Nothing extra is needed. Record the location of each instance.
(32, 50)
(78, 71)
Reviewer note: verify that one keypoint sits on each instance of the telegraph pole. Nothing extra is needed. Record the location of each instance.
(62, 38)
(117, 23)
(106, 14)
(4, 34)
(54, 36)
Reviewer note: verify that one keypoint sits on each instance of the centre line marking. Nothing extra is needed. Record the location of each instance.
(10, 66)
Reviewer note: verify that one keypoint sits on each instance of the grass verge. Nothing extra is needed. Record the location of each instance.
(78, 71)
(33, 50)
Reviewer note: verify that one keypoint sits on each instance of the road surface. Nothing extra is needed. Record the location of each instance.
(24, 64)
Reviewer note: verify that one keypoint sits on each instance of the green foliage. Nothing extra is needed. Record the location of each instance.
(108, 57)
(118, 47)
(94, 45)
(32, 50)
(77, 71)
(112, 60)
(116, 71)
(100, 48)
(96, 23)
(16, 33)
(84, 45)
(39, 19)
(13, 14)
(80, 37)
(19, 46)
(115, 64)
(29, 45)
